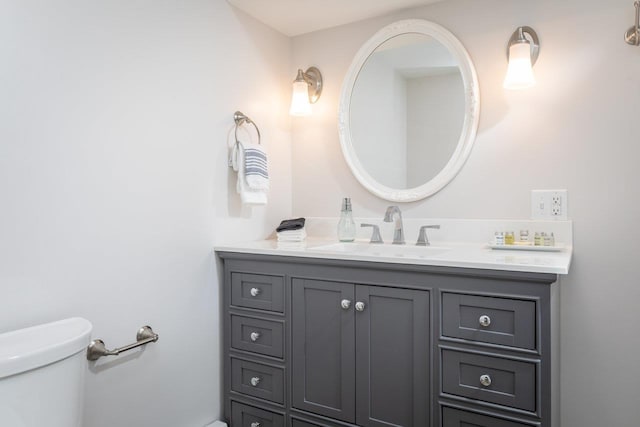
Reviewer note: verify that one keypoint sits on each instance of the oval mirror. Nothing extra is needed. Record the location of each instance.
(409, 110)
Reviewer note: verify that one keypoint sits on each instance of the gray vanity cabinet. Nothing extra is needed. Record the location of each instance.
(323, 348)
(392, 357)
(326, 343)
(360, 353)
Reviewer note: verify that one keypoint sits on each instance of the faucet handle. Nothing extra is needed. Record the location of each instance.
(423, 240)
(375, 236)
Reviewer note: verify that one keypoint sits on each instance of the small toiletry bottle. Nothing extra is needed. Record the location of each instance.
(499, 238)
(537, 239)
(346, 225)
(509, 238)
(524, 236)
(553, 240)
(547, 240)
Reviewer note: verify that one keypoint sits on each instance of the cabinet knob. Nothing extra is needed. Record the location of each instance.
(255, 381)
(485, 380)
(345, 304)
(484, 320)
(256, 424)
(360, 306)
(254, 336)
(255, 292)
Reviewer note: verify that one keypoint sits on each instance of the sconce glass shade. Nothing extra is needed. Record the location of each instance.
(523, 49)
(300, 105)
(307, 88)
(520, 71)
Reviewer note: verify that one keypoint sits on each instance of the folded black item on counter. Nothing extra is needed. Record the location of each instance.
(291, 224)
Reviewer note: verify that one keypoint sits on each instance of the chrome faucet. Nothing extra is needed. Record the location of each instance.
(398, 233)
(423, 240)
(375, 235)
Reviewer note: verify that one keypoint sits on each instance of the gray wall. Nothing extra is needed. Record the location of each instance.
(114, 189)
(577, 129)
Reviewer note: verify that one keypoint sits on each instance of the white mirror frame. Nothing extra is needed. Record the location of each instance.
(469, 127)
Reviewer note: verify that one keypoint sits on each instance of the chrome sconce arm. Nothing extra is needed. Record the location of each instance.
(528, 36)
(313, 78)
(523, 50)
(632, 36)
(307, 88)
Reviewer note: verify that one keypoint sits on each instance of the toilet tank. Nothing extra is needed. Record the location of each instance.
(42, 370)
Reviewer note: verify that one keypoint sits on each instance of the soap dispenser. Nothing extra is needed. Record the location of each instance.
(346, 225)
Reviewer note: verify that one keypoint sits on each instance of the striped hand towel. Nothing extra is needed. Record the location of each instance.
(248, 196)
(255, 167)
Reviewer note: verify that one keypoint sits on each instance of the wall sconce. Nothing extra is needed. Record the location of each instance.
(522, 53)
(632, 36)
(307, 88)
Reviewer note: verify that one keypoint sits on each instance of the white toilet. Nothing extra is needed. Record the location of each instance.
(42, 372)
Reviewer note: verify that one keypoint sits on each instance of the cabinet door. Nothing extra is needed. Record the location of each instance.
(392, 357)
(323, 348)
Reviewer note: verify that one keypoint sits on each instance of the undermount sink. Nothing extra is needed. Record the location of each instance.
(383, 250)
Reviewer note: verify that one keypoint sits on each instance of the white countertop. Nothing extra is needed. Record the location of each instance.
(464, 255)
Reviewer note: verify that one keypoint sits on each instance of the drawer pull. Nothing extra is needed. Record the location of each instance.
(256, 424)
(254, 336)
(484, 320)
(345, 304)
(360, 306)
(255, 292)
(255, 381)
(485, 380)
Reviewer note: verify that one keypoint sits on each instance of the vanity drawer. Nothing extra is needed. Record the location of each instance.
(506, 382)
(256, 379)
(457, 418)
(502, 321)
(249, 416)
(300, 423)
(295, 422)
(257, 335)
(258, 291)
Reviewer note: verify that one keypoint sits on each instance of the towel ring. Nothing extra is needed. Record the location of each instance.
(241, 119)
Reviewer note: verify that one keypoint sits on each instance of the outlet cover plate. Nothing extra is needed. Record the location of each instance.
(549, 204)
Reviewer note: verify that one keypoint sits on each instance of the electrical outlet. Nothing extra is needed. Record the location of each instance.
(549, 204)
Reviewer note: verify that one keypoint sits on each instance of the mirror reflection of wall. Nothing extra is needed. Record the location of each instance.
(435, 115)
(407, 110)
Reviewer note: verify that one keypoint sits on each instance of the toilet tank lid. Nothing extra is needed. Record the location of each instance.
(37, 346)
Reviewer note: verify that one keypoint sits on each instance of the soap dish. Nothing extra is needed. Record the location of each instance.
(527, 247)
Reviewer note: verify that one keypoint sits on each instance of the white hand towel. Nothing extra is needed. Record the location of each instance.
(248, 196)
(291, 245)
(292, 235)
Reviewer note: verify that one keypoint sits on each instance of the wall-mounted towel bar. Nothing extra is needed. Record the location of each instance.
(239, 118)
(97, 348)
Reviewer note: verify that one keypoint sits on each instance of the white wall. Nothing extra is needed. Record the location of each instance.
(114, 186)
(578, 129)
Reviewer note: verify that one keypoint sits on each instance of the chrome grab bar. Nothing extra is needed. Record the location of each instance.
(97, 348)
